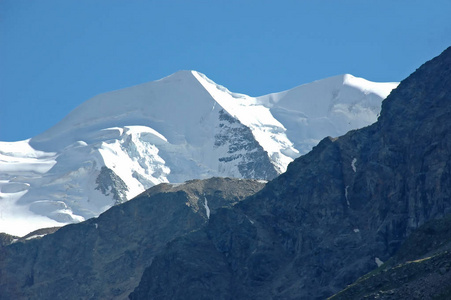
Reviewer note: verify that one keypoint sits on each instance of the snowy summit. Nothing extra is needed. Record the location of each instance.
(116, 145)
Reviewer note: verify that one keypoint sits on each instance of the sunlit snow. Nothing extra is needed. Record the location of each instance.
(165, 131)
(378, 261)
(207, 209)
(353, 165)
(346, 196)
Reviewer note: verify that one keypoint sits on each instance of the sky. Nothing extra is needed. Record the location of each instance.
(54, 54)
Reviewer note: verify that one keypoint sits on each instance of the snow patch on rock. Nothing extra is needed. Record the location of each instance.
(378, 262)
(207, 209)
(354, 161)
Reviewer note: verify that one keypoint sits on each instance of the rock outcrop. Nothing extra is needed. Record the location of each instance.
(337, 213)
(109, 183)
(251, 159)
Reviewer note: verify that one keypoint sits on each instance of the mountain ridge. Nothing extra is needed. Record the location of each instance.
(109, 261)
(181, 127)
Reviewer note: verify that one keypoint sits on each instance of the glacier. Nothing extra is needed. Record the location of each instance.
(185, 126)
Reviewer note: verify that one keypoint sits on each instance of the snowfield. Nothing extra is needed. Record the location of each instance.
(118, 144)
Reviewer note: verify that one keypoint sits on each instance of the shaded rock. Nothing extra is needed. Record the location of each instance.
(111, 184)
(243, 149)
(421, 269)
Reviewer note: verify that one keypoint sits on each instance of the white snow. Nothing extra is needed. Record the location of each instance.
(18, 163)
(327, 107)
(269, 132)
(378, 262)
(354, 160)
(165, 131)
(207, 209)
(35, 236)
(252, 222)
(346, 196)
(133, 156)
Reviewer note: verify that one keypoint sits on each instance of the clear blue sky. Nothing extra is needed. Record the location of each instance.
(54, 55)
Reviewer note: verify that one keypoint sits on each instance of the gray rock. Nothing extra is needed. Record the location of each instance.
(110, 184)
(252, 160)
(420, 269)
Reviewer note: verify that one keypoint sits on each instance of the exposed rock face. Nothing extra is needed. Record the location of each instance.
(109, 183)
(104, 257)
(250, 157)
(336, 213)
(6, 239)
(421, 269)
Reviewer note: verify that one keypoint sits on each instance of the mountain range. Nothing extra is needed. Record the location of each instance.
(363, 215)
(116, 145)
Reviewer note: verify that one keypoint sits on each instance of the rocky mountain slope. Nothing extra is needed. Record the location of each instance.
(336, 214)
(116, 145)
(104, 257)
(421, 269)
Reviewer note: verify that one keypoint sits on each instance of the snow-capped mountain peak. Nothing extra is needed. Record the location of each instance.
(327, 107)
(184, 126)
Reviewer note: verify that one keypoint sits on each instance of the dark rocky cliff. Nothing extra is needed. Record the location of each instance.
(421, 269)
(336, 213)
(104, 257)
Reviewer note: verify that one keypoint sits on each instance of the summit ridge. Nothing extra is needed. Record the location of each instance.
(181, 127)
